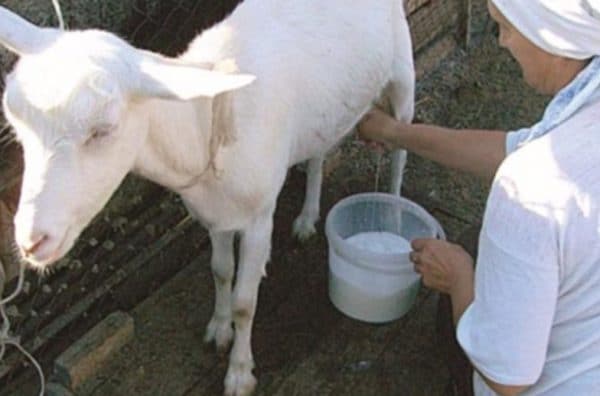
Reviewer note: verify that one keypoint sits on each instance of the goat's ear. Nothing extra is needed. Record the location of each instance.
(21, 36)
(172, 79)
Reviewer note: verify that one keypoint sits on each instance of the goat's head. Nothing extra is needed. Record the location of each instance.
(70, 100)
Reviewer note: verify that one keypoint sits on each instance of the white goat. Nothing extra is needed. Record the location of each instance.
(88, 108)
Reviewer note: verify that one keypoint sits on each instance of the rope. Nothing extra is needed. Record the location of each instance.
(59, 15)
(7, 339)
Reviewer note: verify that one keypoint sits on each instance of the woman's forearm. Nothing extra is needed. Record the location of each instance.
(478, 152)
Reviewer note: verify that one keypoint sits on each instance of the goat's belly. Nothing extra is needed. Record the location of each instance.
(321, 128)
(316, 143)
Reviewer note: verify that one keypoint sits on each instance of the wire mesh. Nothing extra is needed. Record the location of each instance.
(168, 26)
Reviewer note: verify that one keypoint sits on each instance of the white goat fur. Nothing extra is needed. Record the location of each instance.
(88, 108)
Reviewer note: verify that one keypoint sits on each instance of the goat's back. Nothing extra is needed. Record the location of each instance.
(319, 65)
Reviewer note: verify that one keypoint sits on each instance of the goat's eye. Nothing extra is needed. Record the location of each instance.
(98, 132)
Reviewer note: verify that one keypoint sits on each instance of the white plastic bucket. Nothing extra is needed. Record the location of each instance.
(368, 286)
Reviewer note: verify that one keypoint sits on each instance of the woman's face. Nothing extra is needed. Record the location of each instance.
(536, 64)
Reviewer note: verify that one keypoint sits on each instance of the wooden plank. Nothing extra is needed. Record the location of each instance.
(433, 21)
(88, 354)
(77, 310)
(8, 257)
(171, 339)
(413, 5)
(430, 57)
(464, 22)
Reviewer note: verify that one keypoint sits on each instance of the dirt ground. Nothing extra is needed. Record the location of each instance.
(302, 345)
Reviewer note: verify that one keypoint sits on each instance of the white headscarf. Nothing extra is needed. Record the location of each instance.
(569, 28)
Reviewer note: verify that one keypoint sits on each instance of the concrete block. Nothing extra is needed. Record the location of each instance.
(88, 354)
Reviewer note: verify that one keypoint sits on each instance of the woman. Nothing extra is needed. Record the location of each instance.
(529, 318)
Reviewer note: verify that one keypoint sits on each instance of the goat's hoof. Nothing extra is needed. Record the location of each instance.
(304, 228)
(221, 332)
(239, 380)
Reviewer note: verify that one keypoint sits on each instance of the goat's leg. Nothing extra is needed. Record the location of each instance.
(219, 328)
(255, 248)
(401, 92)
(402, 99)
(304, 225)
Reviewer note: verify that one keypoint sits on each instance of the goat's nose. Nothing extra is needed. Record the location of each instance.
(36, 241)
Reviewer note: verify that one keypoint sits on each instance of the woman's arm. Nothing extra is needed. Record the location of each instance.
(478, 152)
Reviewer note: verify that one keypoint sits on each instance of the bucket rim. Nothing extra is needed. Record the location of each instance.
(350, 252)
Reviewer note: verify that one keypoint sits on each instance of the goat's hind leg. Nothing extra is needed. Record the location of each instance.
(304, 225)
(219, 328)
(399, 157)
(402, 100)
(255, 248)
(401, 92)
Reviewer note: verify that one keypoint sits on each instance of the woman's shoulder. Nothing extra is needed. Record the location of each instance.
(554, 166)
(573, 144)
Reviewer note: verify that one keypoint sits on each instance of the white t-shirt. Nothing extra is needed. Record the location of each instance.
(535, 318)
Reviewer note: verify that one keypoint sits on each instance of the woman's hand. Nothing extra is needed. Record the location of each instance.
(445, 267)
(377, 127)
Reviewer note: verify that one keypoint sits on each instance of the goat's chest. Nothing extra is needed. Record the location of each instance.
(225, 207)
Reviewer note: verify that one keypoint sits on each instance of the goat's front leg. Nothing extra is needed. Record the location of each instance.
(219, 328)
(304, 225)
(255, 248)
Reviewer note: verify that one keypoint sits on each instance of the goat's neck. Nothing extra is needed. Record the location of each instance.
(175, 153)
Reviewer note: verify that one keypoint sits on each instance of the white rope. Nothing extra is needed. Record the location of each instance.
(7, 339)
(59, 15)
